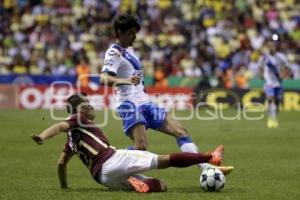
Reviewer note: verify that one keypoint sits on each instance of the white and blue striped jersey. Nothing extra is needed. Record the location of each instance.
(124, 63)
(273, 65)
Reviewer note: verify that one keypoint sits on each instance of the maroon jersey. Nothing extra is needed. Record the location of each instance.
(87, 141)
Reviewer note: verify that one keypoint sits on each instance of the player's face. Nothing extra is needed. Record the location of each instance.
(128, 37)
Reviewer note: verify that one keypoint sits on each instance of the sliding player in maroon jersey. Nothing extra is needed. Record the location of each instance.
(116, 169)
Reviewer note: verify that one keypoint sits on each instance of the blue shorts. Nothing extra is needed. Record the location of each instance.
(275, 92)
(148, 114)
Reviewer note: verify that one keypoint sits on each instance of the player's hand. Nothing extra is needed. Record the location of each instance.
(135, 80)
(37, 139)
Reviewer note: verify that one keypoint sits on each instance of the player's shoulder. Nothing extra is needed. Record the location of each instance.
(114, 51)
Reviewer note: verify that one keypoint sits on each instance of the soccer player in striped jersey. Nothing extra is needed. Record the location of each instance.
(273, 63)
(115, 169)
(123, 70)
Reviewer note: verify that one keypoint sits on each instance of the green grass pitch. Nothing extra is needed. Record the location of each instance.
(267, 161)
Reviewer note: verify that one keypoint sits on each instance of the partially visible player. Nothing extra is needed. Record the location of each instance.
(115, 169)
(273, 63)
(123, 70)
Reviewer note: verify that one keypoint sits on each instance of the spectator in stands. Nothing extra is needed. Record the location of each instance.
(83, 71)
(46, 37)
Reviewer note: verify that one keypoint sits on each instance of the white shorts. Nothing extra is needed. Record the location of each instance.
(123, 164)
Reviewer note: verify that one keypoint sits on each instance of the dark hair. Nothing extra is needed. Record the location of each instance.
(124, 22)
(73, 101)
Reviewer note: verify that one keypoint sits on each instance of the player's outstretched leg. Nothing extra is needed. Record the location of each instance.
(186, 159)
(183, 159)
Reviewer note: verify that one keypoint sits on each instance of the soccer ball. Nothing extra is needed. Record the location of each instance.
(212, 179)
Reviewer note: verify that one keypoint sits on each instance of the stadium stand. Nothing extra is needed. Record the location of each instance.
(190, 38)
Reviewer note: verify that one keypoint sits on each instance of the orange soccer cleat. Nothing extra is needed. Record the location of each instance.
(217, 156)
(138, 185)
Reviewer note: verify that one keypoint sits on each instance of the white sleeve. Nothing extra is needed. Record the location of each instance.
(112, 61)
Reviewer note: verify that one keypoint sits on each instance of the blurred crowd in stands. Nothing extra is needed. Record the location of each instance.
(190, 38)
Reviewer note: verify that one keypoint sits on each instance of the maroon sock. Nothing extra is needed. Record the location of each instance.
(187, 159)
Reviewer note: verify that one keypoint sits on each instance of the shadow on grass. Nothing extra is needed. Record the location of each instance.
(188, 190)
(94, 190)
(235, 190)
(196, 189)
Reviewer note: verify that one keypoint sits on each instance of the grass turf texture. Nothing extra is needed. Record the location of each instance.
(266, 160)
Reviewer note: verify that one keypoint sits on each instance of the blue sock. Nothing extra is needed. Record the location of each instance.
(131, 148)
(183, 140)
(186, 144)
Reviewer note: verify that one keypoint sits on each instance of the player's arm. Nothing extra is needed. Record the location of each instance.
(112, 63)
(111, 80)
(62, 168)
(50, 132)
